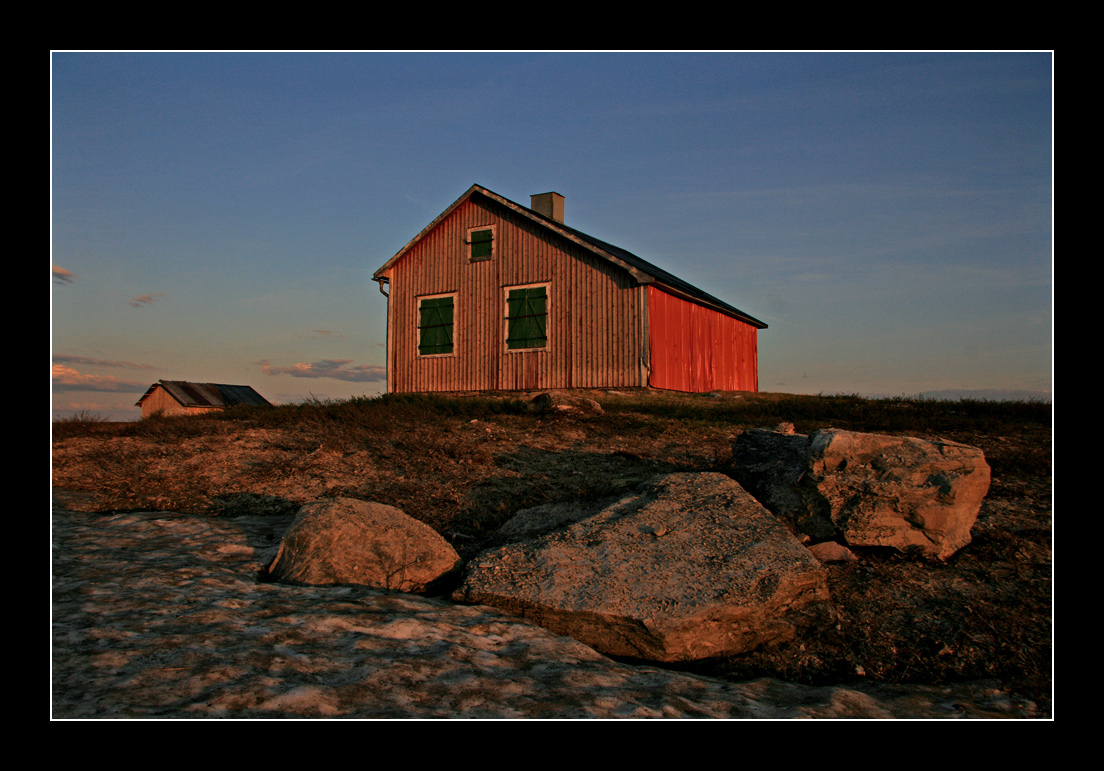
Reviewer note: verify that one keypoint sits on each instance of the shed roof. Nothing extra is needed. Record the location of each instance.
(206, 394)
(642, 270)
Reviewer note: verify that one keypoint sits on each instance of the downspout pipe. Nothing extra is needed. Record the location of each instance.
(385, 280)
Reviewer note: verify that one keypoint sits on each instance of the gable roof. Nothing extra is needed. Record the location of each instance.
(642, 270)
(206, 394)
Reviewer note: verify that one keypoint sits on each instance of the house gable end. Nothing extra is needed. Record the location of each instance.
(642, 271)
(574, 342)
(544, 223)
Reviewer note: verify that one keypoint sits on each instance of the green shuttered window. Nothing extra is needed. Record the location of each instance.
(435, 326)
(527, 318)
(482, 244)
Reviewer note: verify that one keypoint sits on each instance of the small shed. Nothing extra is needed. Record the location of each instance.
(493, 295)
(179, 397)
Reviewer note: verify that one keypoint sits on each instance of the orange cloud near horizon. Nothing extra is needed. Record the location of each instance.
(69, 379)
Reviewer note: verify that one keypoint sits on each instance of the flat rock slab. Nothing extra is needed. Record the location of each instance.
(867, 489)
(349, 541)
(688, 567)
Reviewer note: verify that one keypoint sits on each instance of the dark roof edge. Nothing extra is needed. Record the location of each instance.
(642, 270)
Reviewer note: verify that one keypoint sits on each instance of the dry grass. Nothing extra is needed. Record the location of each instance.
(465, 464)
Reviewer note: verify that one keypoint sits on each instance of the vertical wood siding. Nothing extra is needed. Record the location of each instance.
(159, 400)
(697, 349)
(595, 330)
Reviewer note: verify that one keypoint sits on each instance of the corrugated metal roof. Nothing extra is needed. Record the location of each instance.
(207, 394)
(641, 269)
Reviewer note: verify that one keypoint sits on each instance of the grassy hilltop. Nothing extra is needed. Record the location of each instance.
(465, 463)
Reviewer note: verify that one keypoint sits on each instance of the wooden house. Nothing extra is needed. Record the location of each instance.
(179, 397)
(493, 295)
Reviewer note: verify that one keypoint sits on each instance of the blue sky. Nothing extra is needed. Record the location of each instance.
(218, 216)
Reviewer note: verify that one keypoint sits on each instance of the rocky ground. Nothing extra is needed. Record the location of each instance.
(162, 615)
(160, 529)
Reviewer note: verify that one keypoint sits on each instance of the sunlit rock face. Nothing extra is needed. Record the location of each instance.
(688, 566)
(867, 489)
(348, 541)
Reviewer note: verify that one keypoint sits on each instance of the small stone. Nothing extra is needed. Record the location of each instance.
(560, 402)
(830, 551)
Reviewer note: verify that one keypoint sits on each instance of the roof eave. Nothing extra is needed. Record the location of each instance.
(205, 395)
(385, 269)
(567, 233)
(641, 276)
(719, 307)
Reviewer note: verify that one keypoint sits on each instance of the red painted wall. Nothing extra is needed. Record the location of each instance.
(693, 348)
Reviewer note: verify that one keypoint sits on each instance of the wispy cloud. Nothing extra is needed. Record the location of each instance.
(334, 369)
(69, 379)
(88, 361)
(63, 276)
(320, 334)
(145, 299)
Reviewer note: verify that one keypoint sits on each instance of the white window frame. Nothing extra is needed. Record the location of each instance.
(494, 243)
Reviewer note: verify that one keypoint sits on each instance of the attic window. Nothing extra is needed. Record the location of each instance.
(527, 317)
(435, 325)
(481, 240)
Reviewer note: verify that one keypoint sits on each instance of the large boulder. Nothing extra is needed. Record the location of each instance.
(348, 541)
(866, 489)
(688, 566)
